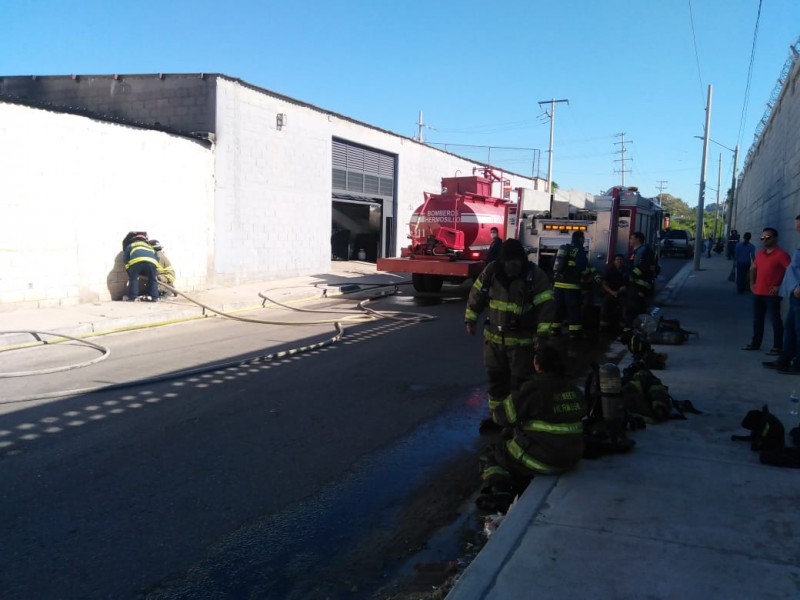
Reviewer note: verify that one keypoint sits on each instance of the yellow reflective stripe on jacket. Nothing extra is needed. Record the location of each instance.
(542, 297)
(566, 286)
(470, 315)
(543, 327)
(496, 471)
(508, 340)
(559, 428)
(510, 410)
(510, 307)
(526, 459)
(141, 259)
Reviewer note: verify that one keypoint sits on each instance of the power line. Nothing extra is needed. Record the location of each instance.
(749, 77)
(696, 55)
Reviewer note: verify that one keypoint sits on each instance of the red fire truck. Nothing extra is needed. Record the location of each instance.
(607, 225)
(450, 236)
(450, 232)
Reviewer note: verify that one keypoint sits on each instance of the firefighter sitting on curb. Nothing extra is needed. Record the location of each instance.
(520, 302)
(546, 419)
(570, 268)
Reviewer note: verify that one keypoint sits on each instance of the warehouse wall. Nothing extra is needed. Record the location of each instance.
(72, 187)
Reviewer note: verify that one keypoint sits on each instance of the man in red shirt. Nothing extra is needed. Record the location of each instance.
(766, 275)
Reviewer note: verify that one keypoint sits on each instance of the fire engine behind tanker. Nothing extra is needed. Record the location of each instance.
(607, 226)
(450, 232)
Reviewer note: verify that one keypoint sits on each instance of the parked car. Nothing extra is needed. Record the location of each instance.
(677, 242)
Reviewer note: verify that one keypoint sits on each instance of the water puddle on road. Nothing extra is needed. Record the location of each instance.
(343, 542)
(398, 511)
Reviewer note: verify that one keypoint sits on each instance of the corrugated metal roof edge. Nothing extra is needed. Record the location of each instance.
(203, 137)
(243, 83)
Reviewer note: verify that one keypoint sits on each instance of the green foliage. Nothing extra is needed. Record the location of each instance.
(683, 216)
(677, 208)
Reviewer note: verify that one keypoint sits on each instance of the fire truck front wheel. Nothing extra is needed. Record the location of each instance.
(425, 283)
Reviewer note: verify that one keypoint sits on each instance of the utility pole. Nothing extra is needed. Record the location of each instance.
(662, 183)
(698, 235)
(420, 125)
(552, 115)
(622, 151)
(719, 183)
(732, 209)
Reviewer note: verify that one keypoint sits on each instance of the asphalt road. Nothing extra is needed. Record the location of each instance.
(309, 476)
(218, 484)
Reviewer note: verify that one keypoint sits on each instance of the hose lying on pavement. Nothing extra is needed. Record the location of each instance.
(104, 353)
(367, 315)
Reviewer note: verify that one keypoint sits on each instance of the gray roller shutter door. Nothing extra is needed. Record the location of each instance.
(360, 170)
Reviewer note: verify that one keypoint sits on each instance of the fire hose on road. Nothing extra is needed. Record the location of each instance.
(361, 314)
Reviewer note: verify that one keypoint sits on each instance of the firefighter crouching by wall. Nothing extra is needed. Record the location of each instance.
(140, 260)
(520, 302)
(545, 427)
(569, 269)
(166, 272)
(641, 281)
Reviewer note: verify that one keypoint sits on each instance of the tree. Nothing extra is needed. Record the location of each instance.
(676, 207)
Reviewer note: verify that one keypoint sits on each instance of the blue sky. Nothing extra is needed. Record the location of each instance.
(476, 70)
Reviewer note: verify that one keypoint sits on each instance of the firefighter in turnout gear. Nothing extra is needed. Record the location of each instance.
(519, 299)
(570, 268)
(166, 272)
(544, 421)
(641, 281)
(140, 259)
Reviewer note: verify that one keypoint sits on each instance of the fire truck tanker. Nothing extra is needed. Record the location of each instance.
(450, 231)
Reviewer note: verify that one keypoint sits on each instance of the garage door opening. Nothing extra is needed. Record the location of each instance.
(356, 229)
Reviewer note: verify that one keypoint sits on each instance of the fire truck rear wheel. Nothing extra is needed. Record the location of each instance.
(425, 283)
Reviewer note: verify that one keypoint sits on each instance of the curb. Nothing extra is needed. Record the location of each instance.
(482, 573)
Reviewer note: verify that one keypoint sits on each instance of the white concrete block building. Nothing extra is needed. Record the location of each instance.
(238, 183)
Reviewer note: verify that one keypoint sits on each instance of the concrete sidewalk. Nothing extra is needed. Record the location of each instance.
(689, 513)
(84, 320)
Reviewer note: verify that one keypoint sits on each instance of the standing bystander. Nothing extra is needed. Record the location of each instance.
(733, 239)
(744, 254)
(789, 357)
(494, 248)
(766, 275)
